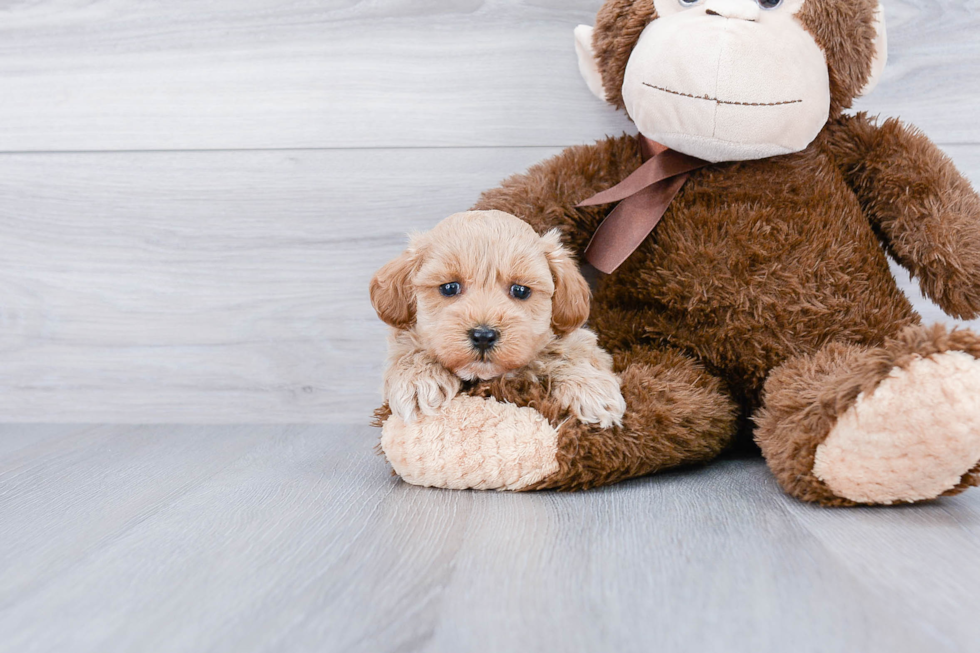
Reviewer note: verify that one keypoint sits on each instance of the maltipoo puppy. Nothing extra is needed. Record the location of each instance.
(482, 296)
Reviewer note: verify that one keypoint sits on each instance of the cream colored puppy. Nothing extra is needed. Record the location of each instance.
(481, 296)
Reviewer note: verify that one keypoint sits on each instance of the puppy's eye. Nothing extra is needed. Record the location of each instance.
(450, 289)
(520, 292)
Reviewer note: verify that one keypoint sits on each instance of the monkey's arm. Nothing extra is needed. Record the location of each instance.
(545, 196)
(925, 212)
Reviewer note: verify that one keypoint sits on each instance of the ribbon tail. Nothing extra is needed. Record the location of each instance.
(629, 224)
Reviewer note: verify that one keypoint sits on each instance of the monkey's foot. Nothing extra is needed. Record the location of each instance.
(474, 443)
(916, 437)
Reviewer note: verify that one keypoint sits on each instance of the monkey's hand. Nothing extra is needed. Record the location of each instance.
(950, 275)
(415, 382)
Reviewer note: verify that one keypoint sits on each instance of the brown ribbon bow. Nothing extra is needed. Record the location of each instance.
(643, 199)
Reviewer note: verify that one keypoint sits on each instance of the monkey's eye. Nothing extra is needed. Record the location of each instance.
(520, 292)
(769, 4)
(450, 289)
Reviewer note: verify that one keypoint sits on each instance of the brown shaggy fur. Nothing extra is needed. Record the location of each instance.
(665, 391)
(617, 29)
(755, 264)
(845, 31)
(932, 234)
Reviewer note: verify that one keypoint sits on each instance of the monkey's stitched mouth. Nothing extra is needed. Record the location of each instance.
(717, 101)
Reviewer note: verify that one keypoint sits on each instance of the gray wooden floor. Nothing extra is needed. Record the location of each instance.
(278, 538)
(193, 196)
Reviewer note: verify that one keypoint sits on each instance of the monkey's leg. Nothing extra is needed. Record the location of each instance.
(898, 423)
(676, 414)
(519, 437)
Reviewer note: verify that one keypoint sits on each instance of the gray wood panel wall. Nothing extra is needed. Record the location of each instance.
(193, 196)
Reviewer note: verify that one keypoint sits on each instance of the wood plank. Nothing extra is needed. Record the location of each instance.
(29, 436)
(914, 552)
(74, 489)
(297, 539)
(218, 286)
(227, 287)
(128, 75)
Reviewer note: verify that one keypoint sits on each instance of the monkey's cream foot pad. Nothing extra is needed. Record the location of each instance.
(912, 439)
(475, 444)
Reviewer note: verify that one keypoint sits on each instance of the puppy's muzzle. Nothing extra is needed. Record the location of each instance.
(483, 338)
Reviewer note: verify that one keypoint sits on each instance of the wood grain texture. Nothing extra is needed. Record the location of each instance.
(212, 286)
(218, 286)
(296, 539)
(125, 75)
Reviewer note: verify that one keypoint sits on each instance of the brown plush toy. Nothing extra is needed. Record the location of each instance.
(762, 305)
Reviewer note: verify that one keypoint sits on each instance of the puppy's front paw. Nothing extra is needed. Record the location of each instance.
(427, 392)
(435, 390)
(594, 400)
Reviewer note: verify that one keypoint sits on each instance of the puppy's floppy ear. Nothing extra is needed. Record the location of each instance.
(392, 294)
(570, 303)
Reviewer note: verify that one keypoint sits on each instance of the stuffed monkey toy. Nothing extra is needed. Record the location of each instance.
(761, 306)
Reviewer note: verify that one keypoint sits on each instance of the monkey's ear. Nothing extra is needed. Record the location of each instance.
(392, 294)
(570, 303)
(881, 52)
(587, 64)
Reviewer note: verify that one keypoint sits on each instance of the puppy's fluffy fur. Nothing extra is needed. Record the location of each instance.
(487, 253)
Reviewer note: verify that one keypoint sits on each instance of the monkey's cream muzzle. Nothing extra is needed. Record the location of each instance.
(712, 86)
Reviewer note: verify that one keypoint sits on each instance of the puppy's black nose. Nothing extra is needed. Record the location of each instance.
(484, 338)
